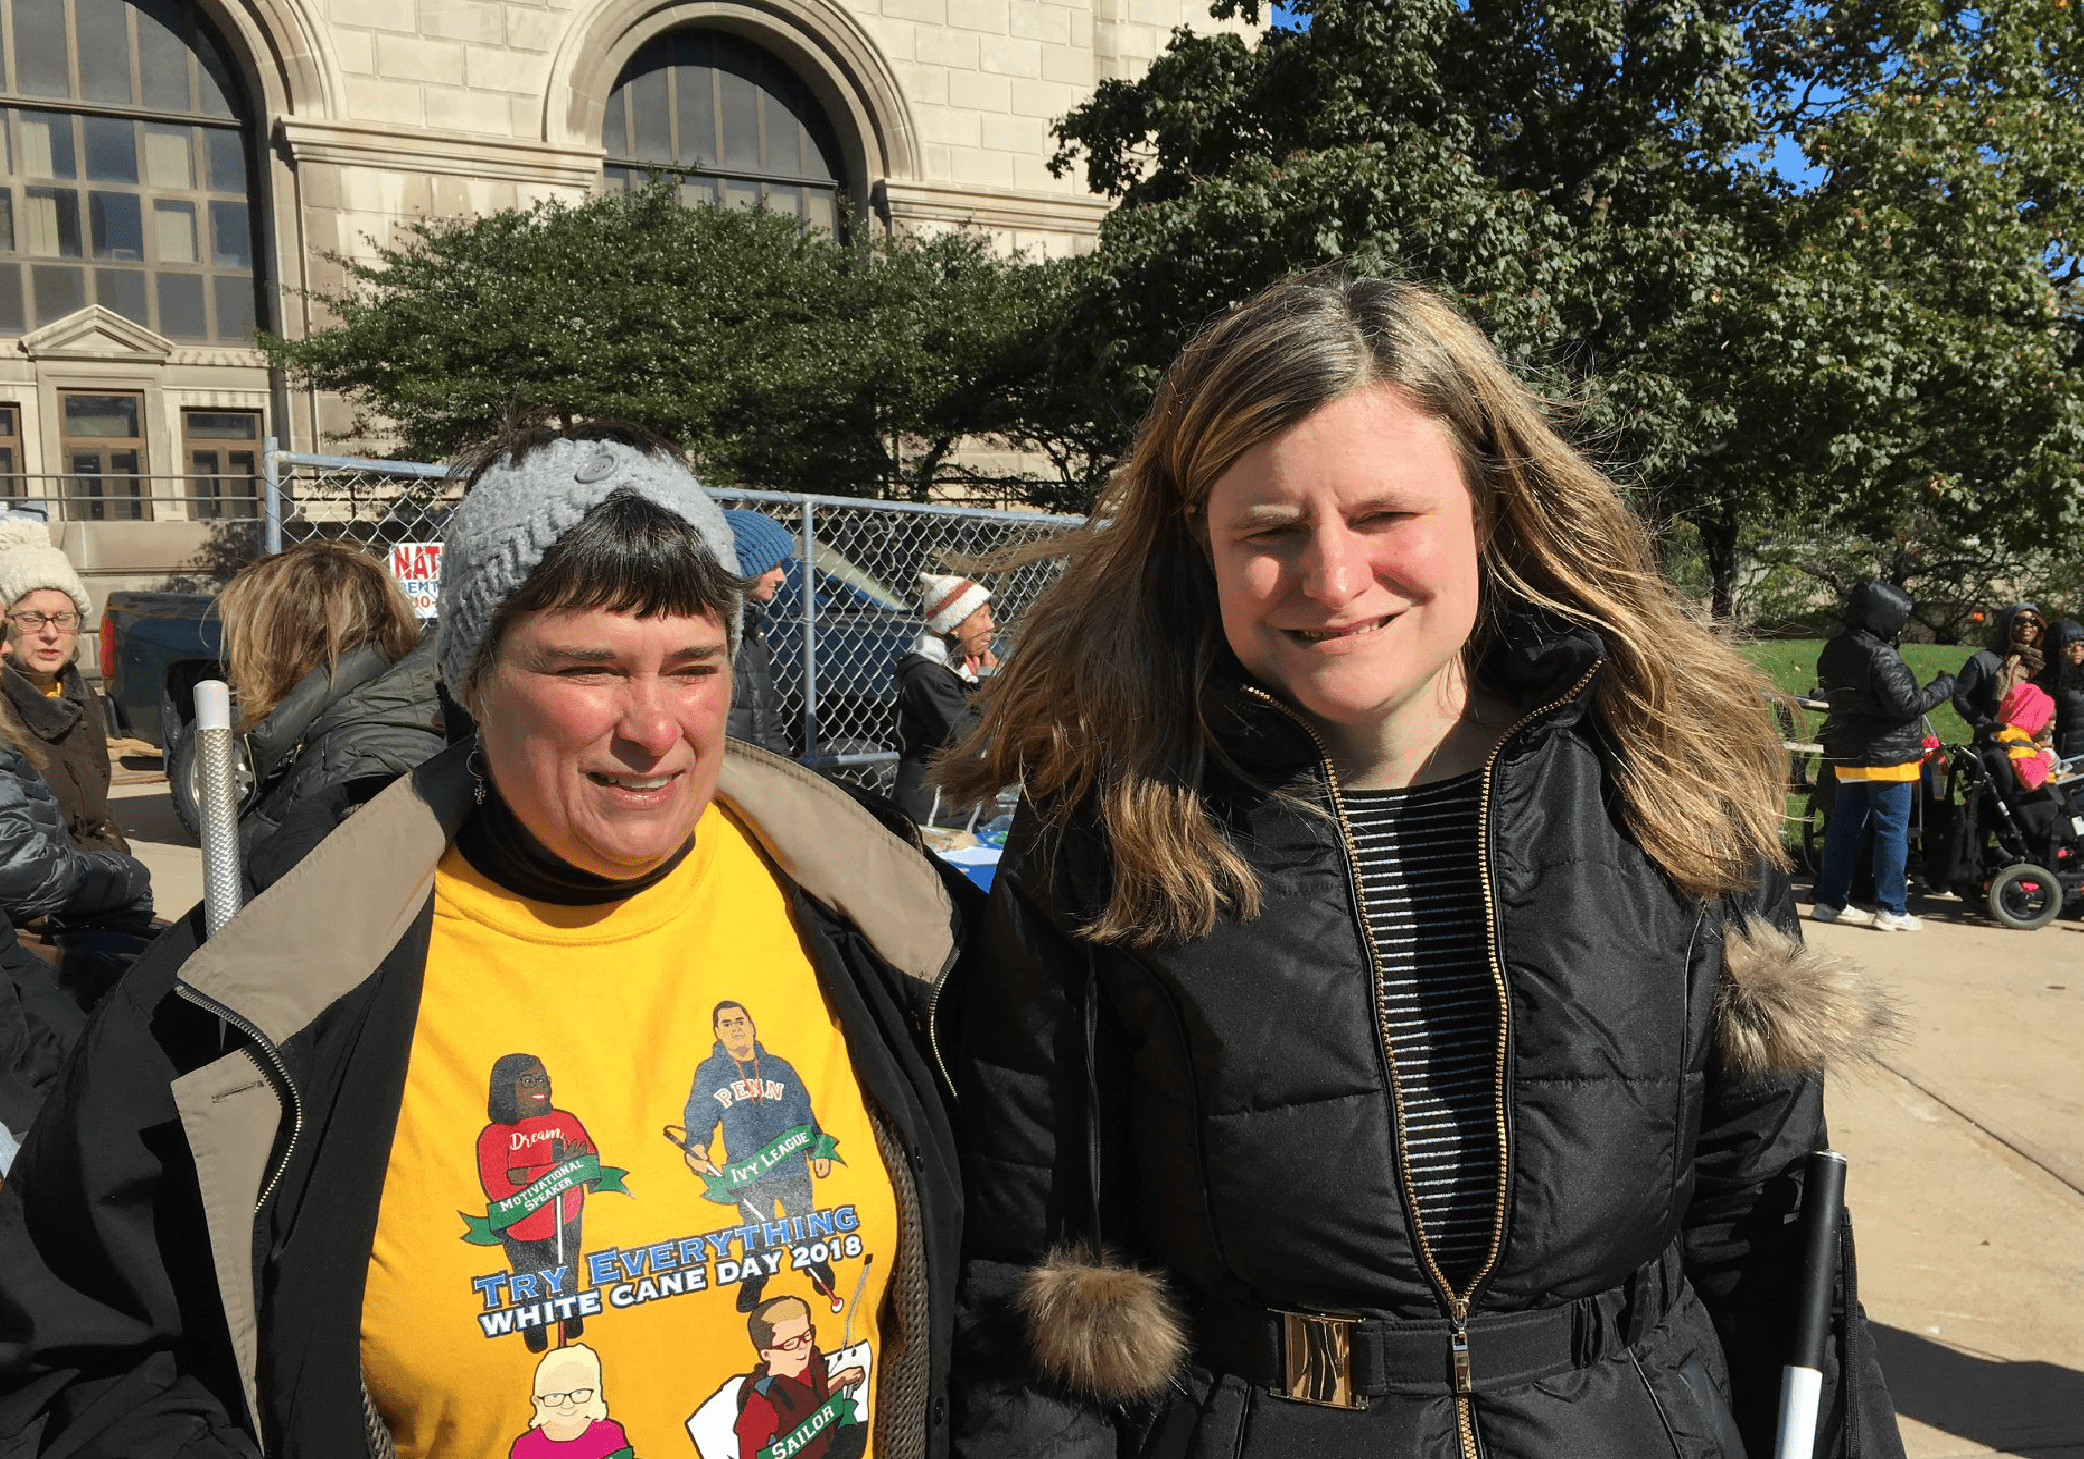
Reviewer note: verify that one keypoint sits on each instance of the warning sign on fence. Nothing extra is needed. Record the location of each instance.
(417, 566)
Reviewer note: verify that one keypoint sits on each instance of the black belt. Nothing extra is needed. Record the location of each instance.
(1342, 1361)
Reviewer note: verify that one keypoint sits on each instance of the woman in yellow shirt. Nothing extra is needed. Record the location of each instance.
(420, 1119)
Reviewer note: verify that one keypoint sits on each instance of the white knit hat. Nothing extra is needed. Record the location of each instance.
(945, 600)
(28, 561)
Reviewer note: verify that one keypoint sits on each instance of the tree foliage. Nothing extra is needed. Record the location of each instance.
(781, 358)
(1590, 179)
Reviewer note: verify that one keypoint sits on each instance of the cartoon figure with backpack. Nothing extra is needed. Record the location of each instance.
(798, 1401)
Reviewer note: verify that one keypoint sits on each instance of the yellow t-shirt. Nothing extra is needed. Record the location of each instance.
(634, 1202)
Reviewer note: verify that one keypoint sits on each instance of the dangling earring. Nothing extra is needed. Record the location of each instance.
(476, 766)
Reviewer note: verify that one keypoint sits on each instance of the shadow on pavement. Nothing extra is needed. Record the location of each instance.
(2008, 1406)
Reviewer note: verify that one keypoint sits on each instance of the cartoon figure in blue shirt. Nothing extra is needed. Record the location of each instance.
(771, 1144)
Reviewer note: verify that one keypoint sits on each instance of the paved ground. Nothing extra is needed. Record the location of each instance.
(1966, 1155)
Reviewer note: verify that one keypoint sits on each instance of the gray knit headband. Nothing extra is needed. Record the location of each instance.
(514, 515)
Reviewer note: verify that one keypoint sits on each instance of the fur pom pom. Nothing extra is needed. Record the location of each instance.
(1783, 1005)
(1110, 1331)
(22, 532)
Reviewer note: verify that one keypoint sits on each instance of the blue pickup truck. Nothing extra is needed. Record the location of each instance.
(155, 645)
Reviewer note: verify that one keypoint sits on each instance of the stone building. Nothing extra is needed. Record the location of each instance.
(177, 171)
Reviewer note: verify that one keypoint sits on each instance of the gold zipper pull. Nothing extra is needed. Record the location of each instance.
(1458, 1354)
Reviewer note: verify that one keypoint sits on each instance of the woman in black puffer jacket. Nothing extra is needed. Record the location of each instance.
(2063, 678)
(334, 683)
(41, 875)
(1391, 1034)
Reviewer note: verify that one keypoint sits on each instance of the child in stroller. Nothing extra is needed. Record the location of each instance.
(2007, 828)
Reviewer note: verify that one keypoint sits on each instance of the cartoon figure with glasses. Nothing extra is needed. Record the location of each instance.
(790, 1404)
(571, 1414)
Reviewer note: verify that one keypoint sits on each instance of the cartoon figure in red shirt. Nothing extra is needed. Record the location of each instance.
(536, 1163)
(790, 1404)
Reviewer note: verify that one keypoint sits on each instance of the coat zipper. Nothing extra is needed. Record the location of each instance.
(933, 1013)
(267, 1047)
(1458, 1304)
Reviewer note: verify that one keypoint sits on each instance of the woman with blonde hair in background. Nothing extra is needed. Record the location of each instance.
(334, 681)
(1391, 1033)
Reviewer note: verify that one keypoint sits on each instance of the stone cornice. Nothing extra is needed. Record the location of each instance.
(392, 149)
(987, 207)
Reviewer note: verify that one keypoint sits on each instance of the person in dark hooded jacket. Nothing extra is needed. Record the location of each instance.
(1990, 672)
(2063, 679)
(1874, 742)
(1357, 1058)
(764, 547)
(334, 683)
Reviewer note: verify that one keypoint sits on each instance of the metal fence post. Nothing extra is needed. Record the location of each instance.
(271, 503)
(808, 590)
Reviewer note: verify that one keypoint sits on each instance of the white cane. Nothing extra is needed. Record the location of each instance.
(216, 761)
(1801, 1381)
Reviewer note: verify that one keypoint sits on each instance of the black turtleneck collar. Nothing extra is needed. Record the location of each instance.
(502, 850)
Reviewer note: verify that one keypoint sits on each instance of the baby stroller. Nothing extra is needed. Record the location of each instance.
(2018, 852)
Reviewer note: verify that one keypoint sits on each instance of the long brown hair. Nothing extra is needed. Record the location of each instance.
(1103, 700)
(287, 614)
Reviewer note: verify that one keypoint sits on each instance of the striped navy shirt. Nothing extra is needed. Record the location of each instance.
(1420, 878)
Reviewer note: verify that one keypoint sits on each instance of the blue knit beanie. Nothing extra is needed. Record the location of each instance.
(762, 542)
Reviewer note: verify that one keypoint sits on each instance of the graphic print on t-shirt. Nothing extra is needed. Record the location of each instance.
(635, 1204)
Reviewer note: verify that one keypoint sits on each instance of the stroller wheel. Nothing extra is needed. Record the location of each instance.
(2025, 896)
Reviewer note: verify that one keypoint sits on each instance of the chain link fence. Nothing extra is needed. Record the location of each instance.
(834, 647)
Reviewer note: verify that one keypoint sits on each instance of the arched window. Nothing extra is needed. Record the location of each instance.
(128, 177)
(731, 121)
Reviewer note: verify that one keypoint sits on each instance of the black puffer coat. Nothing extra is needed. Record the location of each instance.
(1245, 1131)
(1875, 700)
(41, 875)
(369, 717)
(2064, 682)
(1975, 687)
(755, 702)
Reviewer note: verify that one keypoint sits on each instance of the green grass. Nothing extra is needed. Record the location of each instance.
(1790, 664)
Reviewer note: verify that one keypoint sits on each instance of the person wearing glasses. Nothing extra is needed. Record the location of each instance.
(2013, 657)
(46, 604)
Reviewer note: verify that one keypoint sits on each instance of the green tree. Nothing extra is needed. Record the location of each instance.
(781, 358)
(1588, 179)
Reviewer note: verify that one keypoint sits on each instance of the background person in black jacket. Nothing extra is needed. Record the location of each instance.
(764, 546)
(333, 680)
(2063, 678)
(1377, 949)
(1874, 739)
(935, 681)
(1990, 672)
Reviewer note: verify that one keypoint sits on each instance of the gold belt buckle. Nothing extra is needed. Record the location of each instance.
(1317, 1360)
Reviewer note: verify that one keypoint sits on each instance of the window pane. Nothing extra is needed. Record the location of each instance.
(59, 291)
(7, 420)
(12, 318)
(118, 229)
(227, 155)
(235, 311)
(173, 230)
(649, 119)
(615, 125)
(820, 210)
(181, 314)
(695, 90)
(739, 102)
(221, 425)
(741, 194)
(231, 236)
(54, 222)
(111, 149)
(696, 191)
(169, 156)
(123, 290)
(215, 87)
(46, 144)
(105, 50)
(787, 201)
(162, 55)
(39, 48)
(6, 220)
(101, 418)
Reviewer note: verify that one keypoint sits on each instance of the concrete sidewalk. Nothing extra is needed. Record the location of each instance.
(1966, 1153)
(1966, 1182)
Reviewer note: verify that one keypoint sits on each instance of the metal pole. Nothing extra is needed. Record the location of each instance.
(808, 591)
(217, 767)
(271, 500)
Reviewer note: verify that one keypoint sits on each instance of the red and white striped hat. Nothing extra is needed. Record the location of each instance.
(945, 600)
